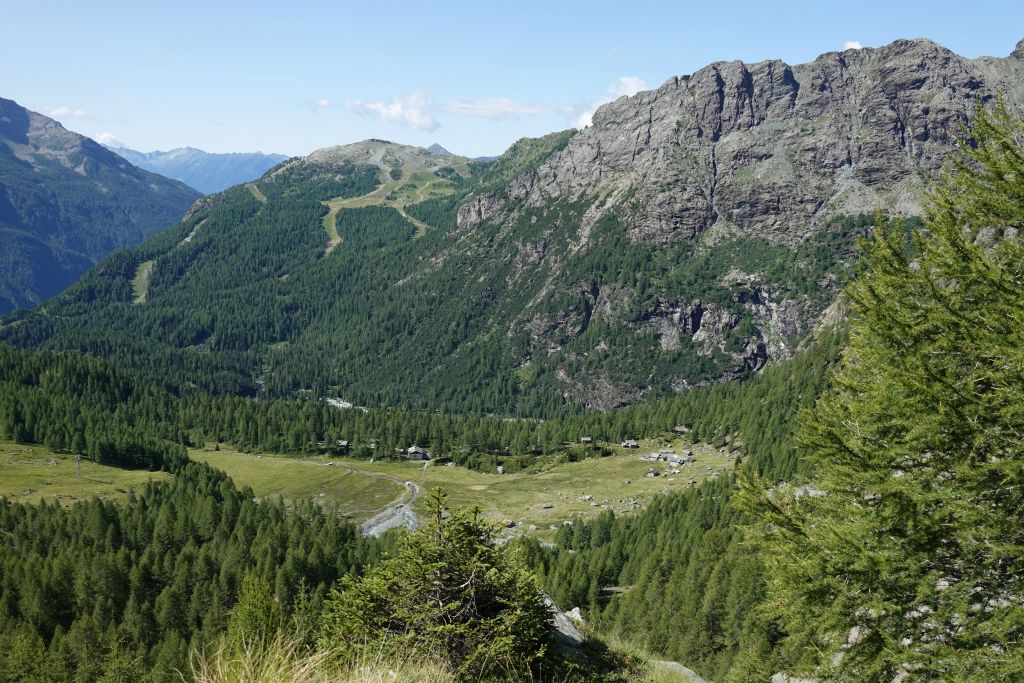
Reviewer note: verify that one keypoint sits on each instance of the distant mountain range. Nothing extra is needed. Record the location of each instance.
(66, 202)
(205, 171)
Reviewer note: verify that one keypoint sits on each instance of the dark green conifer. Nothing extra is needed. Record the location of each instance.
(904, 555)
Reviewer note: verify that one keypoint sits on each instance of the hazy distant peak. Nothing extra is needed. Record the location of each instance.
(206, 171)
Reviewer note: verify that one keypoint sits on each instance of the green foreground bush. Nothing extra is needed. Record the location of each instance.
(451, 595)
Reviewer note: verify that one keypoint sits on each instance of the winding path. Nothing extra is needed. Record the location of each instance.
(395, 514)
(374, 198)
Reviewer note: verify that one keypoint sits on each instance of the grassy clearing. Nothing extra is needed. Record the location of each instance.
(542, 499)
(353, 494)
(140, 283)
(32, 474)
(255, 191)
(576, 489)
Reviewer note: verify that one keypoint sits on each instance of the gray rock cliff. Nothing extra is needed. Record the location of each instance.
(735, 154)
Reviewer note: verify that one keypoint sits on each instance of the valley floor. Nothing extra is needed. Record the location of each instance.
(533, 500)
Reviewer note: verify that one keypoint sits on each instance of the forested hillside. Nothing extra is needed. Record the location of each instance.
(112, 591)
(753, 267)
(66, 202)
(677, 576)
(124, 591)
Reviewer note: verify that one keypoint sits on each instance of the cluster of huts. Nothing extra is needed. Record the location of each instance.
(674, 460)
(412, 453)
(340, 445)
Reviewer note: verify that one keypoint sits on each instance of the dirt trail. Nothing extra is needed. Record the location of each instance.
(188, 237)
(395, 514)
(421, 227)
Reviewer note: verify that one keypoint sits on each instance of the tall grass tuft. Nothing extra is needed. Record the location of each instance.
(282, 660)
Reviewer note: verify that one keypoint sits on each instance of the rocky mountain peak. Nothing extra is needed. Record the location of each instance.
(33, 137)
(738, 159)
(1018, 52)
(769, 149)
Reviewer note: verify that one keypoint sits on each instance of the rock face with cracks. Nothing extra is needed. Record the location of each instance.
(768, 154)
(770, 149)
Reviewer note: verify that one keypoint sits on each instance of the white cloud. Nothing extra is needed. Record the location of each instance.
(65, 112)
(413, 110)
(627, 85)
(110, 140)
(622, 86)
(320, 104)
(852, 45)
(500, 108)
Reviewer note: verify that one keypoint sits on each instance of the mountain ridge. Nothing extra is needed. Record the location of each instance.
(694, 233)
(776, 90)
(66, 202)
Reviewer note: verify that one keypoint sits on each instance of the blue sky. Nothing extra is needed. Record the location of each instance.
(473, 76)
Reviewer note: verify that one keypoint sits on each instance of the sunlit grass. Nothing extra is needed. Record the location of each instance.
(31, 474)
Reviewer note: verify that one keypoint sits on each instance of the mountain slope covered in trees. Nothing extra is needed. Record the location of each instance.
(66, 202)
(694, 233)
(892, 548)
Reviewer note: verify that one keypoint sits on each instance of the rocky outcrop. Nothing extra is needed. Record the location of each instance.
(732, 154)
(769, 149)
(566, 631)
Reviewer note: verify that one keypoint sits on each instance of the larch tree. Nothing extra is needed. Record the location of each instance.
(902, 557)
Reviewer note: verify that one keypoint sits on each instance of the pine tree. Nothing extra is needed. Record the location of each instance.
(450, 595)
(903, 557)
(254, 618)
